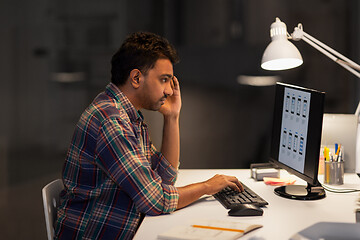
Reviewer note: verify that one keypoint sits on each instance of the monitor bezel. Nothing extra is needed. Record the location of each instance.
(316, 111)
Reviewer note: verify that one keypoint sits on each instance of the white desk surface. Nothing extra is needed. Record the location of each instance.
(282, 218)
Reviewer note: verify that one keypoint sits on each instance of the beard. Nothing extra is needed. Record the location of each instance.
(155, 105)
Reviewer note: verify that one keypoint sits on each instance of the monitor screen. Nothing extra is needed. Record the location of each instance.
(296, 138)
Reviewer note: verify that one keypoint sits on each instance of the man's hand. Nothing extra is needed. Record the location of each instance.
(219, 182)
(172, 105)
(190, 193)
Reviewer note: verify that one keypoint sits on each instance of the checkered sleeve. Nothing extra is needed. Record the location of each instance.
(162, 166)
(121, 156)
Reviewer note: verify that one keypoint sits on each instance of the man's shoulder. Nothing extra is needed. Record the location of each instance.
(104, 108)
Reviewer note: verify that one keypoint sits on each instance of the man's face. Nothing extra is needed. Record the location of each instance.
(157, 85)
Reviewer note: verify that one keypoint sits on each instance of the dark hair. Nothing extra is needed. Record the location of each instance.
(140, 51)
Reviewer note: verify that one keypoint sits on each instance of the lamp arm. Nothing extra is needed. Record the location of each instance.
(339, 55)
(326, 50)
(357, 112)
(343, 63)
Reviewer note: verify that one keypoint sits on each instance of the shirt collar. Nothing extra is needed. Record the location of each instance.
(113, 91)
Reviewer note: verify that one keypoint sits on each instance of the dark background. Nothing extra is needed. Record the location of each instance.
(55, 57)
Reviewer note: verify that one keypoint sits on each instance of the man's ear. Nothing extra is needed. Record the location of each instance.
(135, 78)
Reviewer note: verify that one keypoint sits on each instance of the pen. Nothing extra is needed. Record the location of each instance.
(218, 228)
(336, 148)
(337, 155)
(340, 156)
(327, 154)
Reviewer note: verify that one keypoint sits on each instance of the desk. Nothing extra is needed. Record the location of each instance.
(282, 218)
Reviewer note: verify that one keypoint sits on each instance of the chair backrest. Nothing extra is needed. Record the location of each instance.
(50, 195)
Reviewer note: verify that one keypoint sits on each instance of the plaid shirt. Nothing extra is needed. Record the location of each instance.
(112, 173)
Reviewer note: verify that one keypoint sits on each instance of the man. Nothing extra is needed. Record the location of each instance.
(113, 175)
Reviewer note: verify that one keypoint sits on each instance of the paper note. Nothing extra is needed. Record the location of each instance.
(208, 229)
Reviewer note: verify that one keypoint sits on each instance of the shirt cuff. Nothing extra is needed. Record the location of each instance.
(167, 172)
(171, 196)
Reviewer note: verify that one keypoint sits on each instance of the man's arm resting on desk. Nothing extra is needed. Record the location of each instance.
(193, 192)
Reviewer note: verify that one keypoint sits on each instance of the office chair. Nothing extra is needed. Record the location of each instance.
(50, 195)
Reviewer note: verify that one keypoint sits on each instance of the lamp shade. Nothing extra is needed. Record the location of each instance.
(280, 54)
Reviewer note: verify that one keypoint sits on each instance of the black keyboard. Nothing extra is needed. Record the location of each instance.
(229, 197)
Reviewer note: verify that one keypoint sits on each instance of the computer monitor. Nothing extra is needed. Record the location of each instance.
(296, 138)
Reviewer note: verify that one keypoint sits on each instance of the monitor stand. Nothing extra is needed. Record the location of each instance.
(300, 192)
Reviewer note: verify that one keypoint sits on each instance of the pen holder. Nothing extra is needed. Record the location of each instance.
(334, 172)
(332, 152)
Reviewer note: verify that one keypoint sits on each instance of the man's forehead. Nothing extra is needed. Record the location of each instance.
(163, 67)
(163, 62)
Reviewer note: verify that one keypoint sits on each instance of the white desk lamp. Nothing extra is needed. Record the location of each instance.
(281, 54)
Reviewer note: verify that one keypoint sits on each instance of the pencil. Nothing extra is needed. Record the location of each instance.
(218, 228)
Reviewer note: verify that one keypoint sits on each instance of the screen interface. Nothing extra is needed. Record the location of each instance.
(294, 128)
